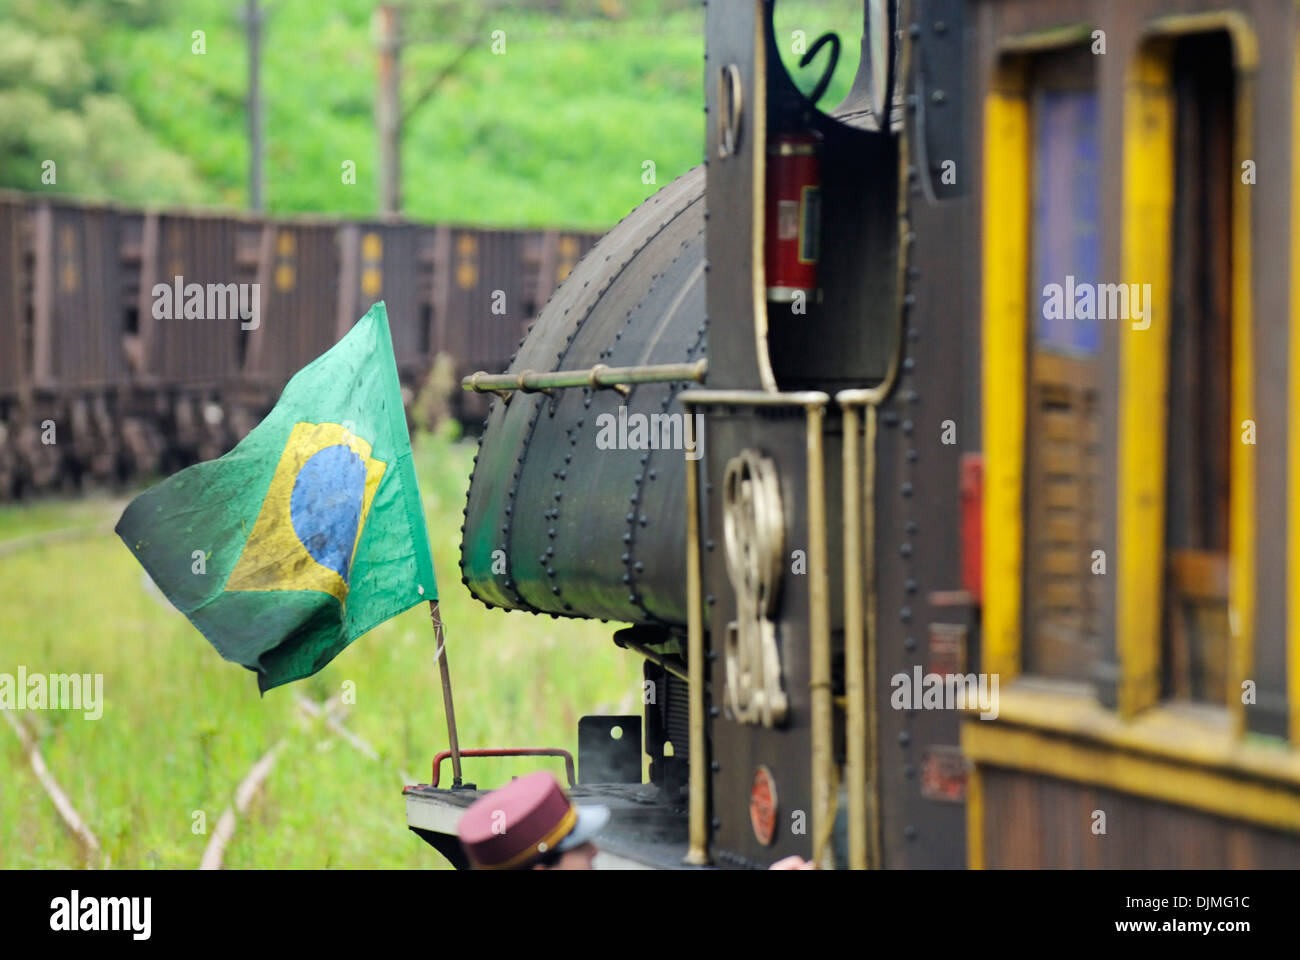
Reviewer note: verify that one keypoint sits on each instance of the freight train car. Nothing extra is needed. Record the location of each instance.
(123, 351)
(980, 544)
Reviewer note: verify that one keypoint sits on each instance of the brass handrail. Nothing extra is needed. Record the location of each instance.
(599, 377)
(697, 853)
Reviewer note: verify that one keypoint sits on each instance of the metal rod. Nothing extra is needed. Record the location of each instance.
(657, 658)
(598, 377)
(860, 629)
(752, 398)
(856, 734)
(870, 654)
(819, 629)
(505, 752)
(697, 853)
(452, 740)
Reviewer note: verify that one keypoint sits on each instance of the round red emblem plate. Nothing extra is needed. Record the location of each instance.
(762, 805)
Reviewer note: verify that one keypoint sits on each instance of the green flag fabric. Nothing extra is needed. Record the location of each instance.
(308, 533)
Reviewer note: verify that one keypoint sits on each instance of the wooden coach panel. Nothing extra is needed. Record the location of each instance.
(13, 297)
(299, 303)
(1043, 823)
(1131, 640)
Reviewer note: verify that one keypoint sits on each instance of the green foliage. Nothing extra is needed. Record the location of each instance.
(58, 105)
(553, 132)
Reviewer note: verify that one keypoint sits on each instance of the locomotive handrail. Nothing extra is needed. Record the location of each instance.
(598, 377)
(508, 752)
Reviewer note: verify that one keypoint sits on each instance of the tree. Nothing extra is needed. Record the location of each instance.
(61, 130)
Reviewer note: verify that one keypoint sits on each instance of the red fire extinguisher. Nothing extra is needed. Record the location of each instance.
(794, 195)
(793, 216)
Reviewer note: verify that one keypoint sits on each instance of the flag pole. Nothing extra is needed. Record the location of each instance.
(441, 655)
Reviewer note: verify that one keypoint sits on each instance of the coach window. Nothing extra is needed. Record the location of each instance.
(1199, 430)
(1185, 568)
(1061, 420)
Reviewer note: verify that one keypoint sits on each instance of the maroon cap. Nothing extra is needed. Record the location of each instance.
(516, 824)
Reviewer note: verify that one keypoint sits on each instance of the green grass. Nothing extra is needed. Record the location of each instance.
(181, 727)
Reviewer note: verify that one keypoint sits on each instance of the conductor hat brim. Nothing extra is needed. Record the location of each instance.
(592, 819)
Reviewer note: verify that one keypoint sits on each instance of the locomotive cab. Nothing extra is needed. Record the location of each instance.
(799, 417)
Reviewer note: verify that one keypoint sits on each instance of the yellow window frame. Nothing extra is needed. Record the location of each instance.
(1146, 256)
(1005, 331)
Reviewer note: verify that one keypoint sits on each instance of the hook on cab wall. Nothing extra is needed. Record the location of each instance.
(802, 231)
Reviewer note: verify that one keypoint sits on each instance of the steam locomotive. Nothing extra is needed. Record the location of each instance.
(945, 574)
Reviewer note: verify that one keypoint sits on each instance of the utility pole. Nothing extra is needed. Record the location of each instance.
(253, 21)
(388, 107)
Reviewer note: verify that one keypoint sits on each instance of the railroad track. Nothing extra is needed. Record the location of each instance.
(45, 538)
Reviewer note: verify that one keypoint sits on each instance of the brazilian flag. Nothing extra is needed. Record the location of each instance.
(306, 535)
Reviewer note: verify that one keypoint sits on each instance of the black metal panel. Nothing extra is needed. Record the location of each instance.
(603, 756)
(667, 721)
(738, 749)
(569, 527)
(736, 48)
(943, 98)
(445, 844)
(917, 524)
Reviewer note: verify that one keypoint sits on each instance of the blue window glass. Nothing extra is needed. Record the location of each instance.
(1066, 238)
